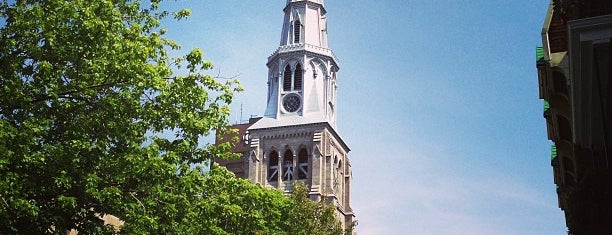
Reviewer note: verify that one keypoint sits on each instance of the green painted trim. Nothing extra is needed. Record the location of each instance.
(539, 53)
(546, 112)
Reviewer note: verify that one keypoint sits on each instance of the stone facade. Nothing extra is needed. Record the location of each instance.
(274, 161)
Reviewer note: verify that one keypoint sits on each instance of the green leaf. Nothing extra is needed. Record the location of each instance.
(182, 14)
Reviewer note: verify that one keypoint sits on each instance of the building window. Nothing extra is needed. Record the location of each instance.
(297, 77)
(565, 128)
(569, 180)
(568, 165)
(560, 83)
(288, 166)
(287, 79)
(303, 164)
(339, 179)
(293, 83)
(273, 167)
(335, 174)
(297, 30)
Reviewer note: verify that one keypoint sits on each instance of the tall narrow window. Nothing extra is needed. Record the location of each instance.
(297, 27)
(287, 79)
(273, 167)
(340, 172)
(303, 164)
(297, 78)
(335, 174)
(288, 166)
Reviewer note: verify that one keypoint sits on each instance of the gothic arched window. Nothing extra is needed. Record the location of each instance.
(303, 164)
(297, 30)
(287, 79)
(297, 77)
(273, 166)
(287, 166)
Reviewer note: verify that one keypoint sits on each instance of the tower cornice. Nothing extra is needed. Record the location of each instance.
(324, 125)
(304, 2)
(304, 47)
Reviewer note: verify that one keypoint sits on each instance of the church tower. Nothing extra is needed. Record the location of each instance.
(297, 140)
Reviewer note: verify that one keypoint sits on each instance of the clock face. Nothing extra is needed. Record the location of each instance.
(292, 103)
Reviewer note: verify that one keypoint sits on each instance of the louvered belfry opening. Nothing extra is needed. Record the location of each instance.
(303, 164)
(297, 27)
(273, 167)
(297, 83)
(288, 166)
(287, 79)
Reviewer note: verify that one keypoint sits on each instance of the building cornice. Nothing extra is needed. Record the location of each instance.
(326, 125)
(309, 49)
(304, 3)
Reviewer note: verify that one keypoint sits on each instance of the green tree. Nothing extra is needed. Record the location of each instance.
(93, 121)
(88, 100)
(310, 217)
(236, 206)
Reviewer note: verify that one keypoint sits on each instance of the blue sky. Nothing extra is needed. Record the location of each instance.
(437, 99)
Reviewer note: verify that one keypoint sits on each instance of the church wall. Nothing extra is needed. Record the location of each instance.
(281, 139)
(328, 160)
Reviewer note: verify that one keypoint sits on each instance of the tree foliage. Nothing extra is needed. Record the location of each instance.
(236, 206)
(309, 217)
(93, 120)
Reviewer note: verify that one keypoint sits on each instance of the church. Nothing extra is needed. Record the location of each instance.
(296, 140)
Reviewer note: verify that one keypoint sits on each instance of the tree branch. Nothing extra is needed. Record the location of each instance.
(5, 203)
(45, 97)
(139, 202)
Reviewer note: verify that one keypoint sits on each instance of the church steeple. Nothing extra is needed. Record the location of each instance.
(297, 140)
(302, 71)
